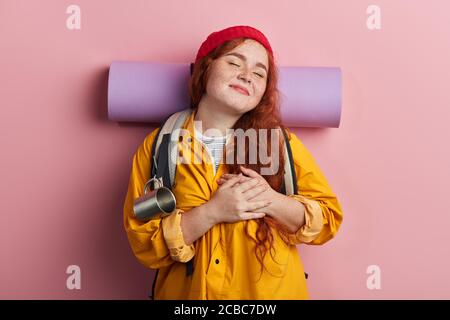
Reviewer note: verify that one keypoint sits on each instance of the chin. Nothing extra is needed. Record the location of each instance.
(238, 107)
(235, 104)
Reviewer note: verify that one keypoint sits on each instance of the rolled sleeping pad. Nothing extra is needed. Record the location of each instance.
(149, 92)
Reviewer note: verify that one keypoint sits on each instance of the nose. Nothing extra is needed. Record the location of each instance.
(245, 76)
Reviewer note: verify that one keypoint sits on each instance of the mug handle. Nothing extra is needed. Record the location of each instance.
(158, 184)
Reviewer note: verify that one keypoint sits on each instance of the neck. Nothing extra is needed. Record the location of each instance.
(213, 117)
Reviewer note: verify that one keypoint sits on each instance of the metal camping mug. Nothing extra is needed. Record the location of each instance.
(150, 204)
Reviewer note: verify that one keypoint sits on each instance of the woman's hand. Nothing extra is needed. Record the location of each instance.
(231, 202)
(287, 211)
(268, 194)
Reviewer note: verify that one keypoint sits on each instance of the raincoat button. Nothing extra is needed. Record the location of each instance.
(180, 138)
(217, 261)
(181, 153)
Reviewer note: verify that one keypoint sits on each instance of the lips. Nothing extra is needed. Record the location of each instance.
(240, 89)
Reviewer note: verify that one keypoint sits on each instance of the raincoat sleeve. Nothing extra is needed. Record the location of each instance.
(159, 242)
(323, 213)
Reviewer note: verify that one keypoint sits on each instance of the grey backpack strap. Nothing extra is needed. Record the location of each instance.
(167, 141)
(290, 178)
(173, 147)
(164, 155)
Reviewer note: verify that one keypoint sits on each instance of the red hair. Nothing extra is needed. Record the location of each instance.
(266, 115)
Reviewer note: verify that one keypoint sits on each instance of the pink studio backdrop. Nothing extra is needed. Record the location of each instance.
(65, 167)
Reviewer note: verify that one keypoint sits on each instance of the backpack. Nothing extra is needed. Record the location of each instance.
(164, 146)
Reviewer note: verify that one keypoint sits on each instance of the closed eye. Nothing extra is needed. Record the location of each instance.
(234, 64)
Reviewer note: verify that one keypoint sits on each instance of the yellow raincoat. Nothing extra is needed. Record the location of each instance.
(225, 265)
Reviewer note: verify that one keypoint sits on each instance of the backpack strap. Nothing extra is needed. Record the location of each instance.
(165, 143)
(290, 178)
(163, 166)
(173, 147)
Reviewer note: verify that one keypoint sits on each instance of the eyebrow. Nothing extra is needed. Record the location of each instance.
(242, 57)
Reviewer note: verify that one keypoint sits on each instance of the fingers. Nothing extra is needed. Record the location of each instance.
(244, 178)
(256, 205)
(249, 172)
(247, 185)
(232, 181)
(252, 215)
(252, 193)
(227, 176)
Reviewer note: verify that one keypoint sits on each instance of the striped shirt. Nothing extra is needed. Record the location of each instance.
(214, 145)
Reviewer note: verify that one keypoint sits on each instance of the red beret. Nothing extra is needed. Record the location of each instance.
(216, 38)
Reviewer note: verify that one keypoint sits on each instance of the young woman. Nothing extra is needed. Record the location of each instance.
(232, 222)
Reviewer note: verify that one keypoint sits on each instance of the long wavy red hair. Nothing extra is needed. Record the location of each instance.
(266, 115)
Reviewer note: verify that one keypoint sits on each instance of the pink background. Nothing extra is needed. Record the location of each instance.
(65, 167)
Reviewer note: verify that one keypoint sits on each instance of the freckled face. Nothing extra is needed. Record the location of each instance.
(246, 66)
